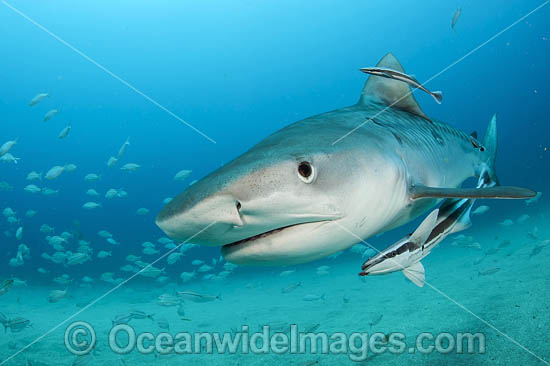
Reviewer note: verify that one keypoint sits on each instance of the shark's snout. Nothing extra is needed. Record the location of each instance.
(203, 221)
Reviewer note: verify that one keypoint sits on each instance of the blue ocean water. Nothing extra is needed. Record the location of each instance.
(239, 71)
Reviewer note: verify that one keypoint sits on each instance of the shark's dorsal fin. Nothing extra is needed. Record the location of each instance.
(390, 92)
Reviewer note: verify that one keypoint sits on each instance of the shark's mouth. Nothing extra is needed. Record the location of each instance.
(261, 235)
(295, 243)
(273, 232)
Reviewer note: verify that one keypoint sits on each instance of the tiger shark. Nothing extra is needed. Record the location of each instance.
(364, 169)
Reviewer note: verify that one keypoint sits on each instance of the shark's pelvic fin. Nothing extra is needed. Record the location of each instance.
(498, 192)
(416, 274)
(390, 92)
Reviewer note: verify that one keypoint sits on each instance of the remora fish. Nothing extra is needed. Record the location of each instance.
(405, 255)
(368, 167)
(396, 75)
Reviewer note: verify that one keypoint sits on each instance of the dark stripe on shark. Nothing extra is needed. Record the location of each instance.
(436, 133)
(438, 137)
(397, 138)
(394, 116)
(392, 131)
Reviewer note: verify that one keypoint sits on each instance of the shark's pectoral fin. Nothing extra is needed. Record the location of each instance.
(416, 274)
(391, 92)
(497, 192)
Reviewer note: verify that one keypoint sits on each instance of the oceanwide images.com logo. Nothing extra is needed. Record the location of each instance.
(80, 339)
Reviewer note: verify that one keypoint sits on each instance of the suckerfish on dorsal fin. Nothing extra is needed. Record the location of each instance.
(390, 92)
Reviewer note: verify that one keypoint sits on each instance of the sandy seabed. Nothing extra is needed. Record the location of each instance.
(500, 291)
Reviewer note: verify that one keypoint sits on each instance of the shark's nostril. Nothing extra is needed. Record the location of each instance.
(238, 204)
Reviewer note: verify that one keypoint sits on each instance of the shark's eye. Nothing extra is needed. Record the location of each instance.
(306, 172)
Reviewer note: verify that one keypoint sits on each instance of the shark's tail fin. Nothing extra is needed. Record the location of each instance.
(490, 145)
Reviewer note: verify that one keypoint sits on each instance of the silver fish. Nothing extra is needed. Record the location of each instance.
(376, 320)
(50, 114)
(455, 18)
(137, 314)
(291, 288)
(122, 318)
(64, 132)
(168, 300)
(6, 286)
(56, 295)
(488, 271)
(314, 297)
(37, 99)
(538, 248)
(123, 148)
(17, 324)
(196, 297)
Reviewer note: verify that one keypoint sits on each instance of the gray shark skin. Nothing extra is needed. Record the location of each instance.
(288, 199)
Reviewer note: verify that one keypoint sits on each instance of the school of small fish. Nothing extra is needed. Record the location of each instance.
(67, 249)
